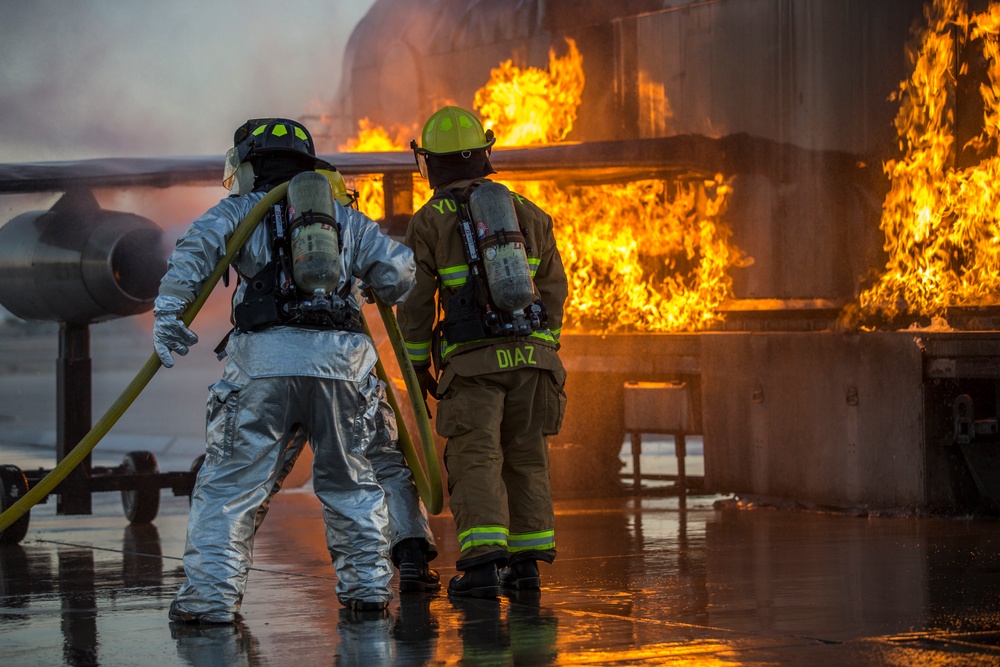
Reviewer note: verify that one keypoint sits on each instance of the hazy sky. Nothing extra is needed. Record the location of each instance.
(109, 78)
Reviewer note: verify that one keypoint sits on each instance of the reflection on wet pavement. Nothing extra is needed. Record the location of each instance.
(637, 581)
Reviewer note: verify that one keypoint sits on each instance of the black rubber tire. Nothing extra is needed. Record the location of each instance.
(13, 486)
(141, 505)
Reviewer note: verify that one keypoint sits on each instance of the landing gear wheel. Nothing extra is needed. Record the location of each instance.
(13, 486)
(141, 505)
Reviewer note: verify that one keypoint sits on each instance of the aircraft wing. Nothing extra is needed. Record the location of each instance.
(679, 156)
(164, 172)
(108, 172)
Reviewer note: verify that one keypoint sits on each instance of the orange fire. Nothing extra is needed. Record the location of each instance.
(646, 255)
(940, 218)
(369, 188)
(640, 256)
(530, 106)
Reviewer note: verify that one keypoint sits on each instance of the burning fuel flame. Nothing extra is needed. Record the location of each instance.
(940, 218)
(371, 138)
(643, 256)
(531, 106)
(640, 256)
(646, 255)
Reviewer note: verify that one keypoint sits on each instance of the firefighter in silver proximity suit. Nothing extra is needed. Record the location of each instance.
(412, 544)
(282, 380)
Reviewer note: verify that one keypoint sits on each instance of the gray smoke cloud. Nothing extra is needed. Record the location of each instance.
(106, 78)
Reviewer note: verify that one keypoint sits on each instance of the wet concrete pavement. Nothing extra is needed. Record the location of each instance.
(639, 579)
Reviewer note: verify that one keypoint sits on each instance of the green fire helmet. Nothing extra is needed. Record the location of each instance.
(451, 130)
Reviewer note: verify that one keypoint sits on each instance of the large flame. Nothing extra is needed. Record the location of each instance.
(939, 218)
(372, 138)
(642, 256)
(647, 255)
(531, 106)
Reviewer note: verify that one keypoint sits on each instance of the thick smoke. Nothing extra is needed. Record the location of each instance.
(105, 78)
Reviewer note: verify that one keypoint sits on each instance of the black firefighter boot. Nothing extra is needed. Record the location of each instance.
(521, 575)
(480, 581)
(414, 574)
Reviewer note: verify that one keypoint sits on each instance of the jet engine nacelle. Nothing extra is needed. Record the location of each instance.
(78, 263)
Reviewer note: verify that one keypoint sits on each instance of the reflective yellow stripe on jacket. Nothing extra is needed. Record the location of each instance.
(419, 351)
(454, 276)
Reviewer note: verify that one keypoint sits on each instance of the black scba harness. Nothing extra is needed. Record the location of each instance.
(272, 298)
(471, 314)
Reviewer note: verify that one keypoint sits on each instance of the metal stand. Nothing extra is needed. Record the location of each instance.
(73, 413)
(138, 478)
(658, 407)
(680, 450)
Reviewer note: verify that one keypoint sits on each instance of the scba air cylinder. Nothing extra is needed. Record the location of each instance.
(501, 246)
(315, 243)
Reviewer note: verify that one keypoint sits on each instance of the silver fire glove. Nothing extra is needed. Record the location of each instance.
(169, 332)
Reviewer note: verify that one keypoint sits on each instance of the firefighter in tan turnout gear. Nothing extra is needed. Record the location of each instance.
(490, 257)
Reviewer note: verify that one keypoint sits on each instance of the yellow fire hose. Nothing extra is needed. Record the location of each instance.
(429, 489)
(76, 456)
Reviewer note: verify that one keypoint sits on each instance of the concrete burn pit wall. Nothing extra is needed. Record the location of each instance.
(862, 422)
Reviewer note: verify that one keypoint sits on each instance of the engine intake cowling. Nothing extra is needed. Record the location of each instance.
(78, 263)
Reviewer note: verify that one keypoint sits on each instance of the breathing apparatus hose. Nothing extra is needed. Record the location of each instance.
(145, 374)
(428, 483)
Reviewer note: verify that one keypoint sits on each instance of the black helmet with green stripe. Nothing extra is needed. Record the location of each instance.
(268, 137)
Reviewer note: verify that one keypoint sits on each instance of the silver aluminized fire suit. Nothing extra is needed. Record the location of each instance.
(407, 516)
(278, 385)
